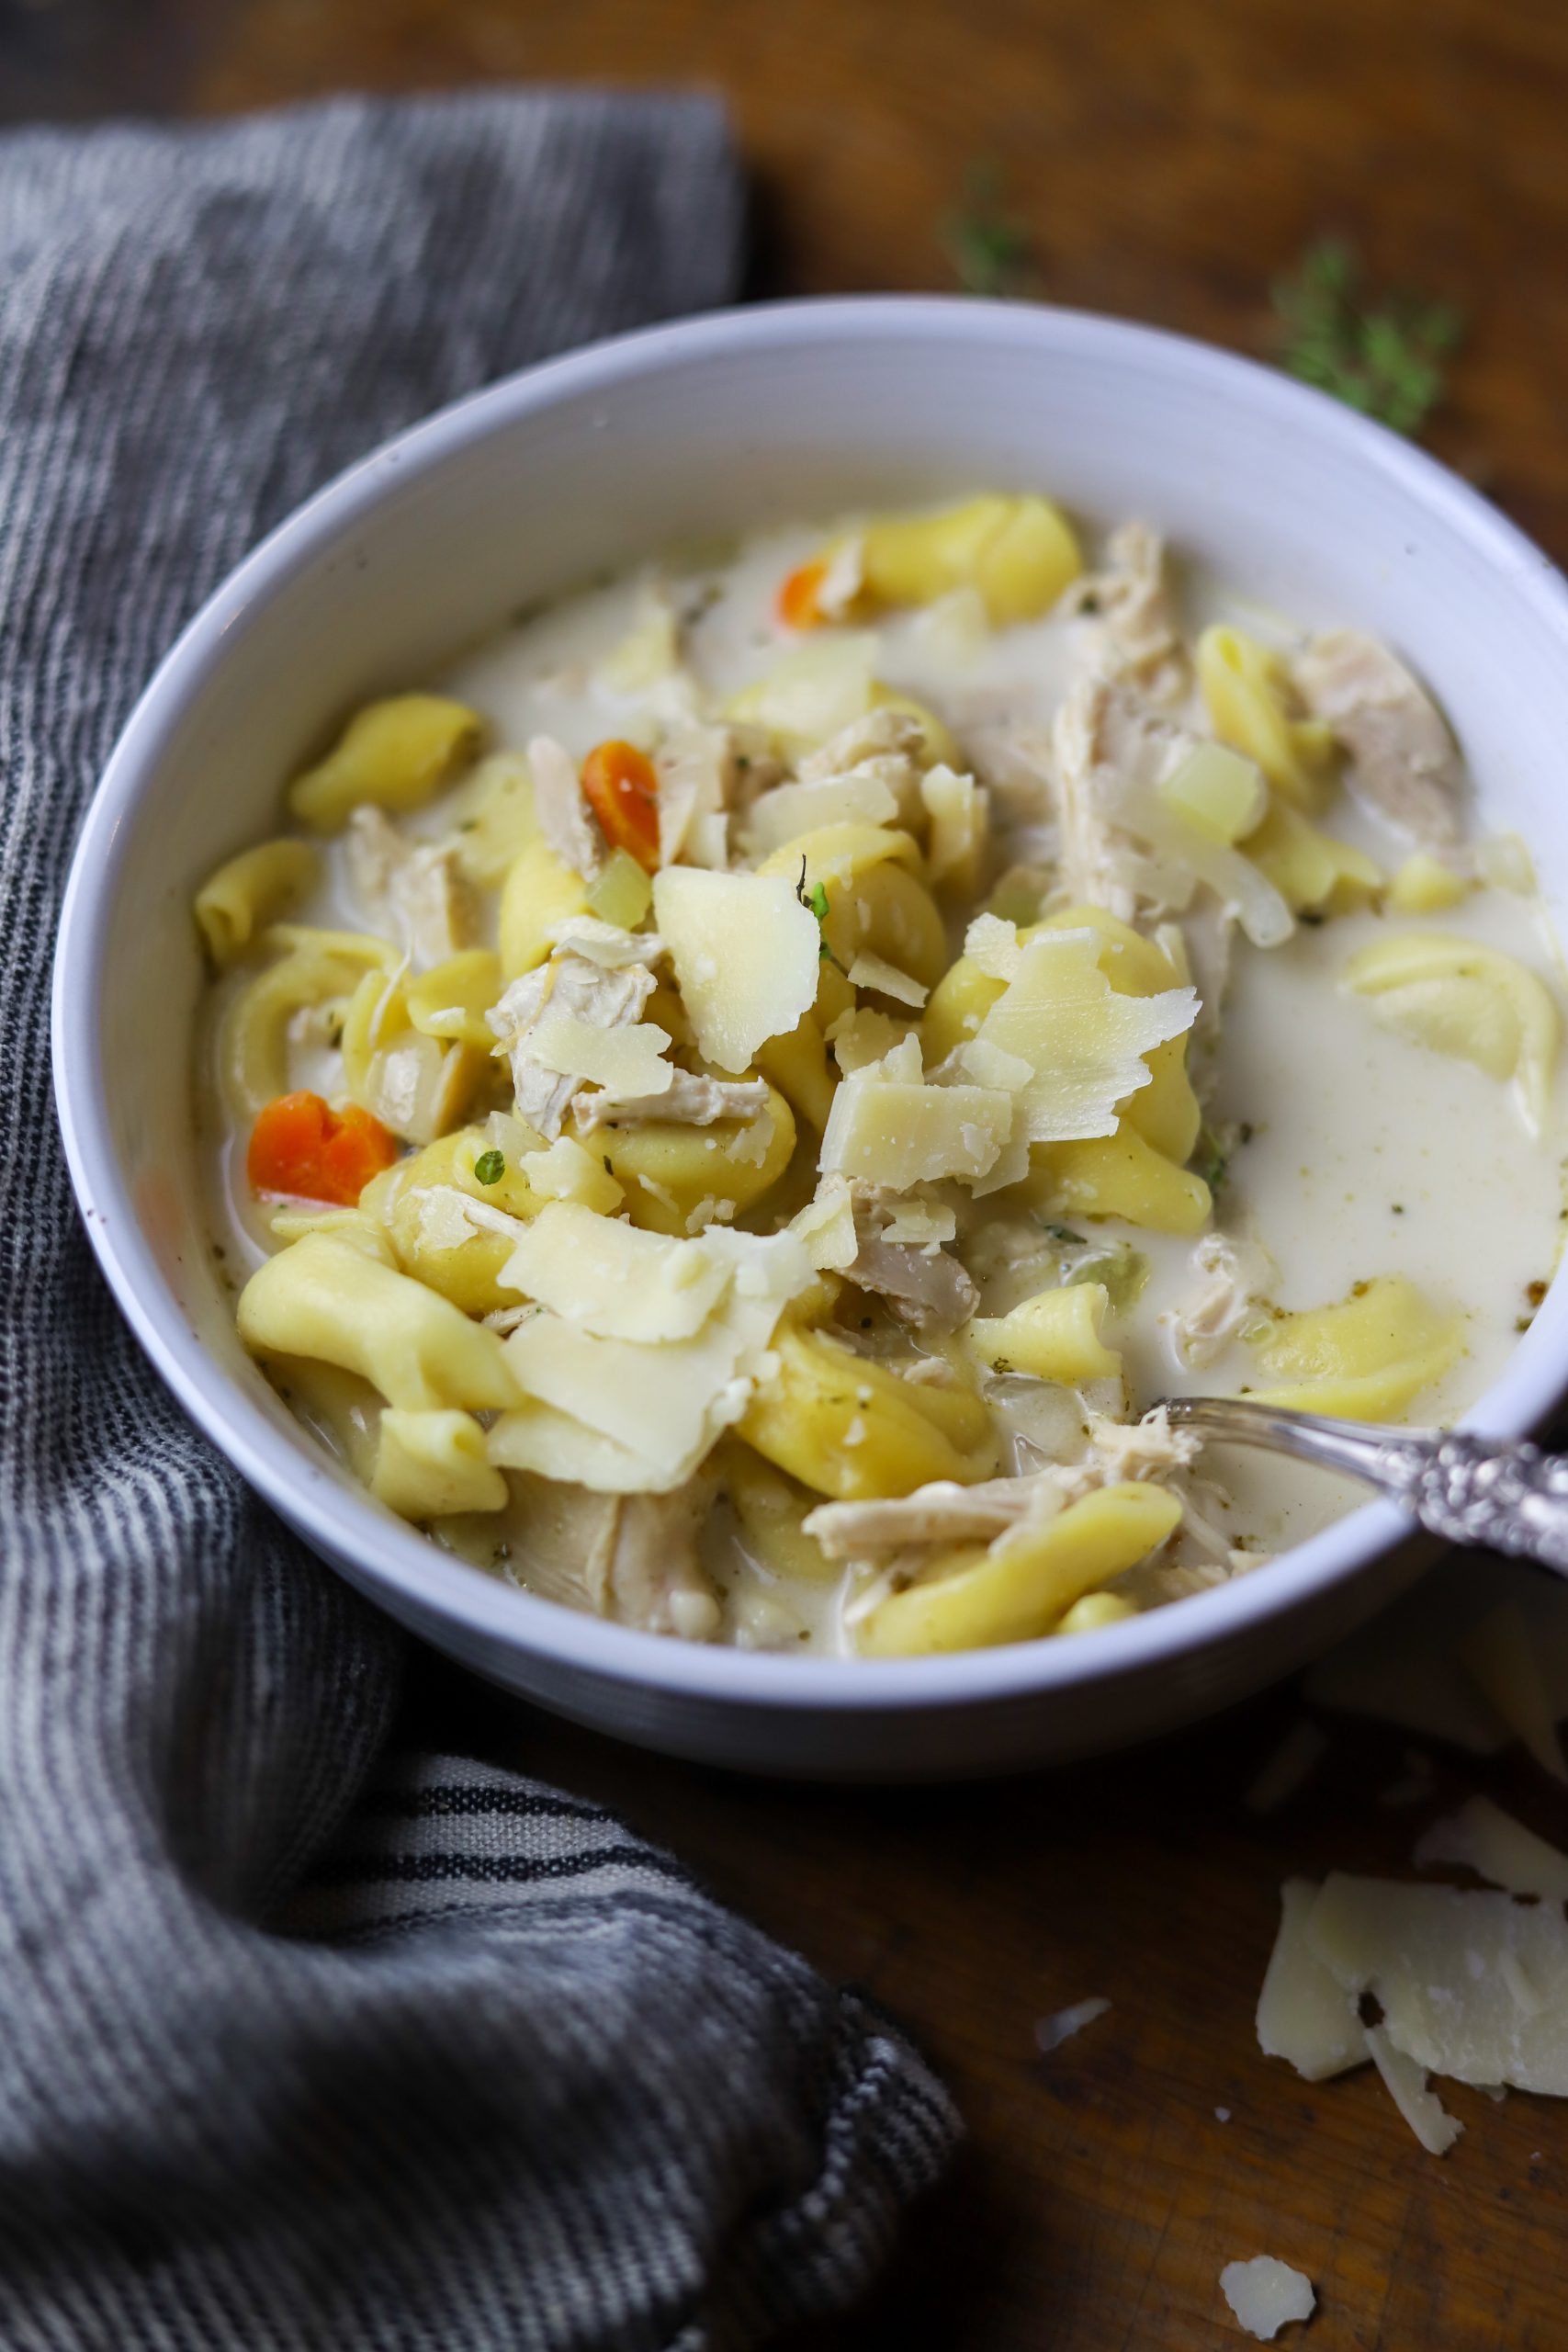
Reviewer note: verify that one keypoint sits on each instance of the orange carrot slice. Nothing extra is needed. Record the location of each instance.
(621, 786)
(302, 1149)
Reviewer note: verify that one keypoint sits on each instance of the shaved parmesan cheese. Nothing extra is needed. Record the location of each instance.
(791, 809)
(554, 1445)
(870, 971)
(1499, 1658)
(991, 945)
(605, 944)
(1471, 1984)
(958, 810)
(1494, 1845)
(919, 1225)
(747, 956)
(1051, 2032)
(904, 1133)
(865, 1037)
(613, 1279)
(628, 1060)
(1267, 2295)
(658, 1407)
(827, 1227)
(566, 1172)
(1406, 2084)
(1297, 1757)
(1303, 2014)
(1083, 1041)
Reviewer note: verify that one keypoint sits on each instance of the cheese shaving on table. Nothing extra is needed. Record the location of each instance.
(1289, 1767)
(1304, 2014)
(1266, 2294)
(1052, 2032)
(1471, 1984)
(1405, 2083)
(1494, 1845)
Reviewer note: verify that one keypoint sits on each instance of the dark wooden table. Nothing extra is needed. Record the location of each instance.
(1169, 158)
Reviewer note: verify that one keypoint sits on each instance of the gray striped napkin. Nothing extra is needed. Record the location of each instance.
(300, 2049)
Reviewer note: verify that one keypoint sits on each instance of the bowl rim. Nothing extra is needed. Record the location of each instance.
(340, 1521)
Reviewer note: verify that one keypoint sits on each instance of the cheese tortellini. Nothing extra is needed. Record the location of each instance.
(733, 1106)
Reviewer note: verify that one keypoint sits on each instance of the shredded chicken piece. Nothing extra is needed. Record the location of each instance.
(1090, 742)
(644, 1570)
(1402, 759)
(1134, 634)
(1232, 1276)
(607, 944)
(1014, 762)
(885, 745)
(630, 1557)
(563, 814)
(691, 1100)
(569, 984)
(944, 1513)
(700, 782)
(1146, 1448)
(421, 887)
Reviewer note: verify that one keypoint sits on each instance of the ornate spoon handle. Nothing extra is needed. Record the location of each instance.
(1467, 1490)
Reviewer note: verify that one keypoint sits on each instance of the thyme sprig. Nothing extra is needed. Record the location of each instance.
(989, 248)
(1383, 354)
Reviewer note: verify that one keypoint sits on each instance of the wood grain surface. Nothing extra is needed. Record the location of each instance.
(1170, 157)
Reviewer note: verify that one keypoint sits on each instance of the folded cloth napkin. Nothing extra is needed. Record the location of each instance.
(299, 2048)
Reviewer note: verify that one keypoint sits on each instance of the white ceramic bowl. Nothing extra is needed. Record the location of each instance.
(608, 456)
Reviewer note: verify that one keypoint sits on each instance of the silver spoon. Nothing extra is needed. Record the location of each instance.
(1467, 1490)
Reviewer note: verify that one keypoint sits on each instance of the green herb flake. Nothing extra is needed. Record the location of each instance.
(1383, 356)
(990, 250)
(1064, 1233)
(490, 1167)
(1212, 1158)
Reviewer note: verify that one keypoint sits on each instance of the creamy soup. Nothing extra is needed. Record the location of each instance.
(731, 1108)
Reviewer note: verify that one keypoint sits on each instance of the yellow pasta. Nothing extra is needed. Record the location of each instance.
(324, 1298)
(450, 1000)
(853, 870)
(539, 894)
(1251, 706)
(315, 971)
(849, 1428)
(1119, 1175)
(432, 1464)
(1463, 998)
(415, 1084)
(1056, 1335)
(1311, 871)
(395, 754)
(1020, 553)
(667, 1172)
(250, 891)
(1027, 1579)
(1364, 1360)
(770, 1508)
(1424, 886)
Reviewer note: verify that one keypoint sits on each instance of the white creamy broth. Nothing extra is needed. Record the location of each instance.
(1353, 1155)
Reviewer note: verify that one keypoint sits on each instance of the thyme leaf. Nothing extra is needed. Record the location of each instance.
(1381, 355)
(990, 250)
